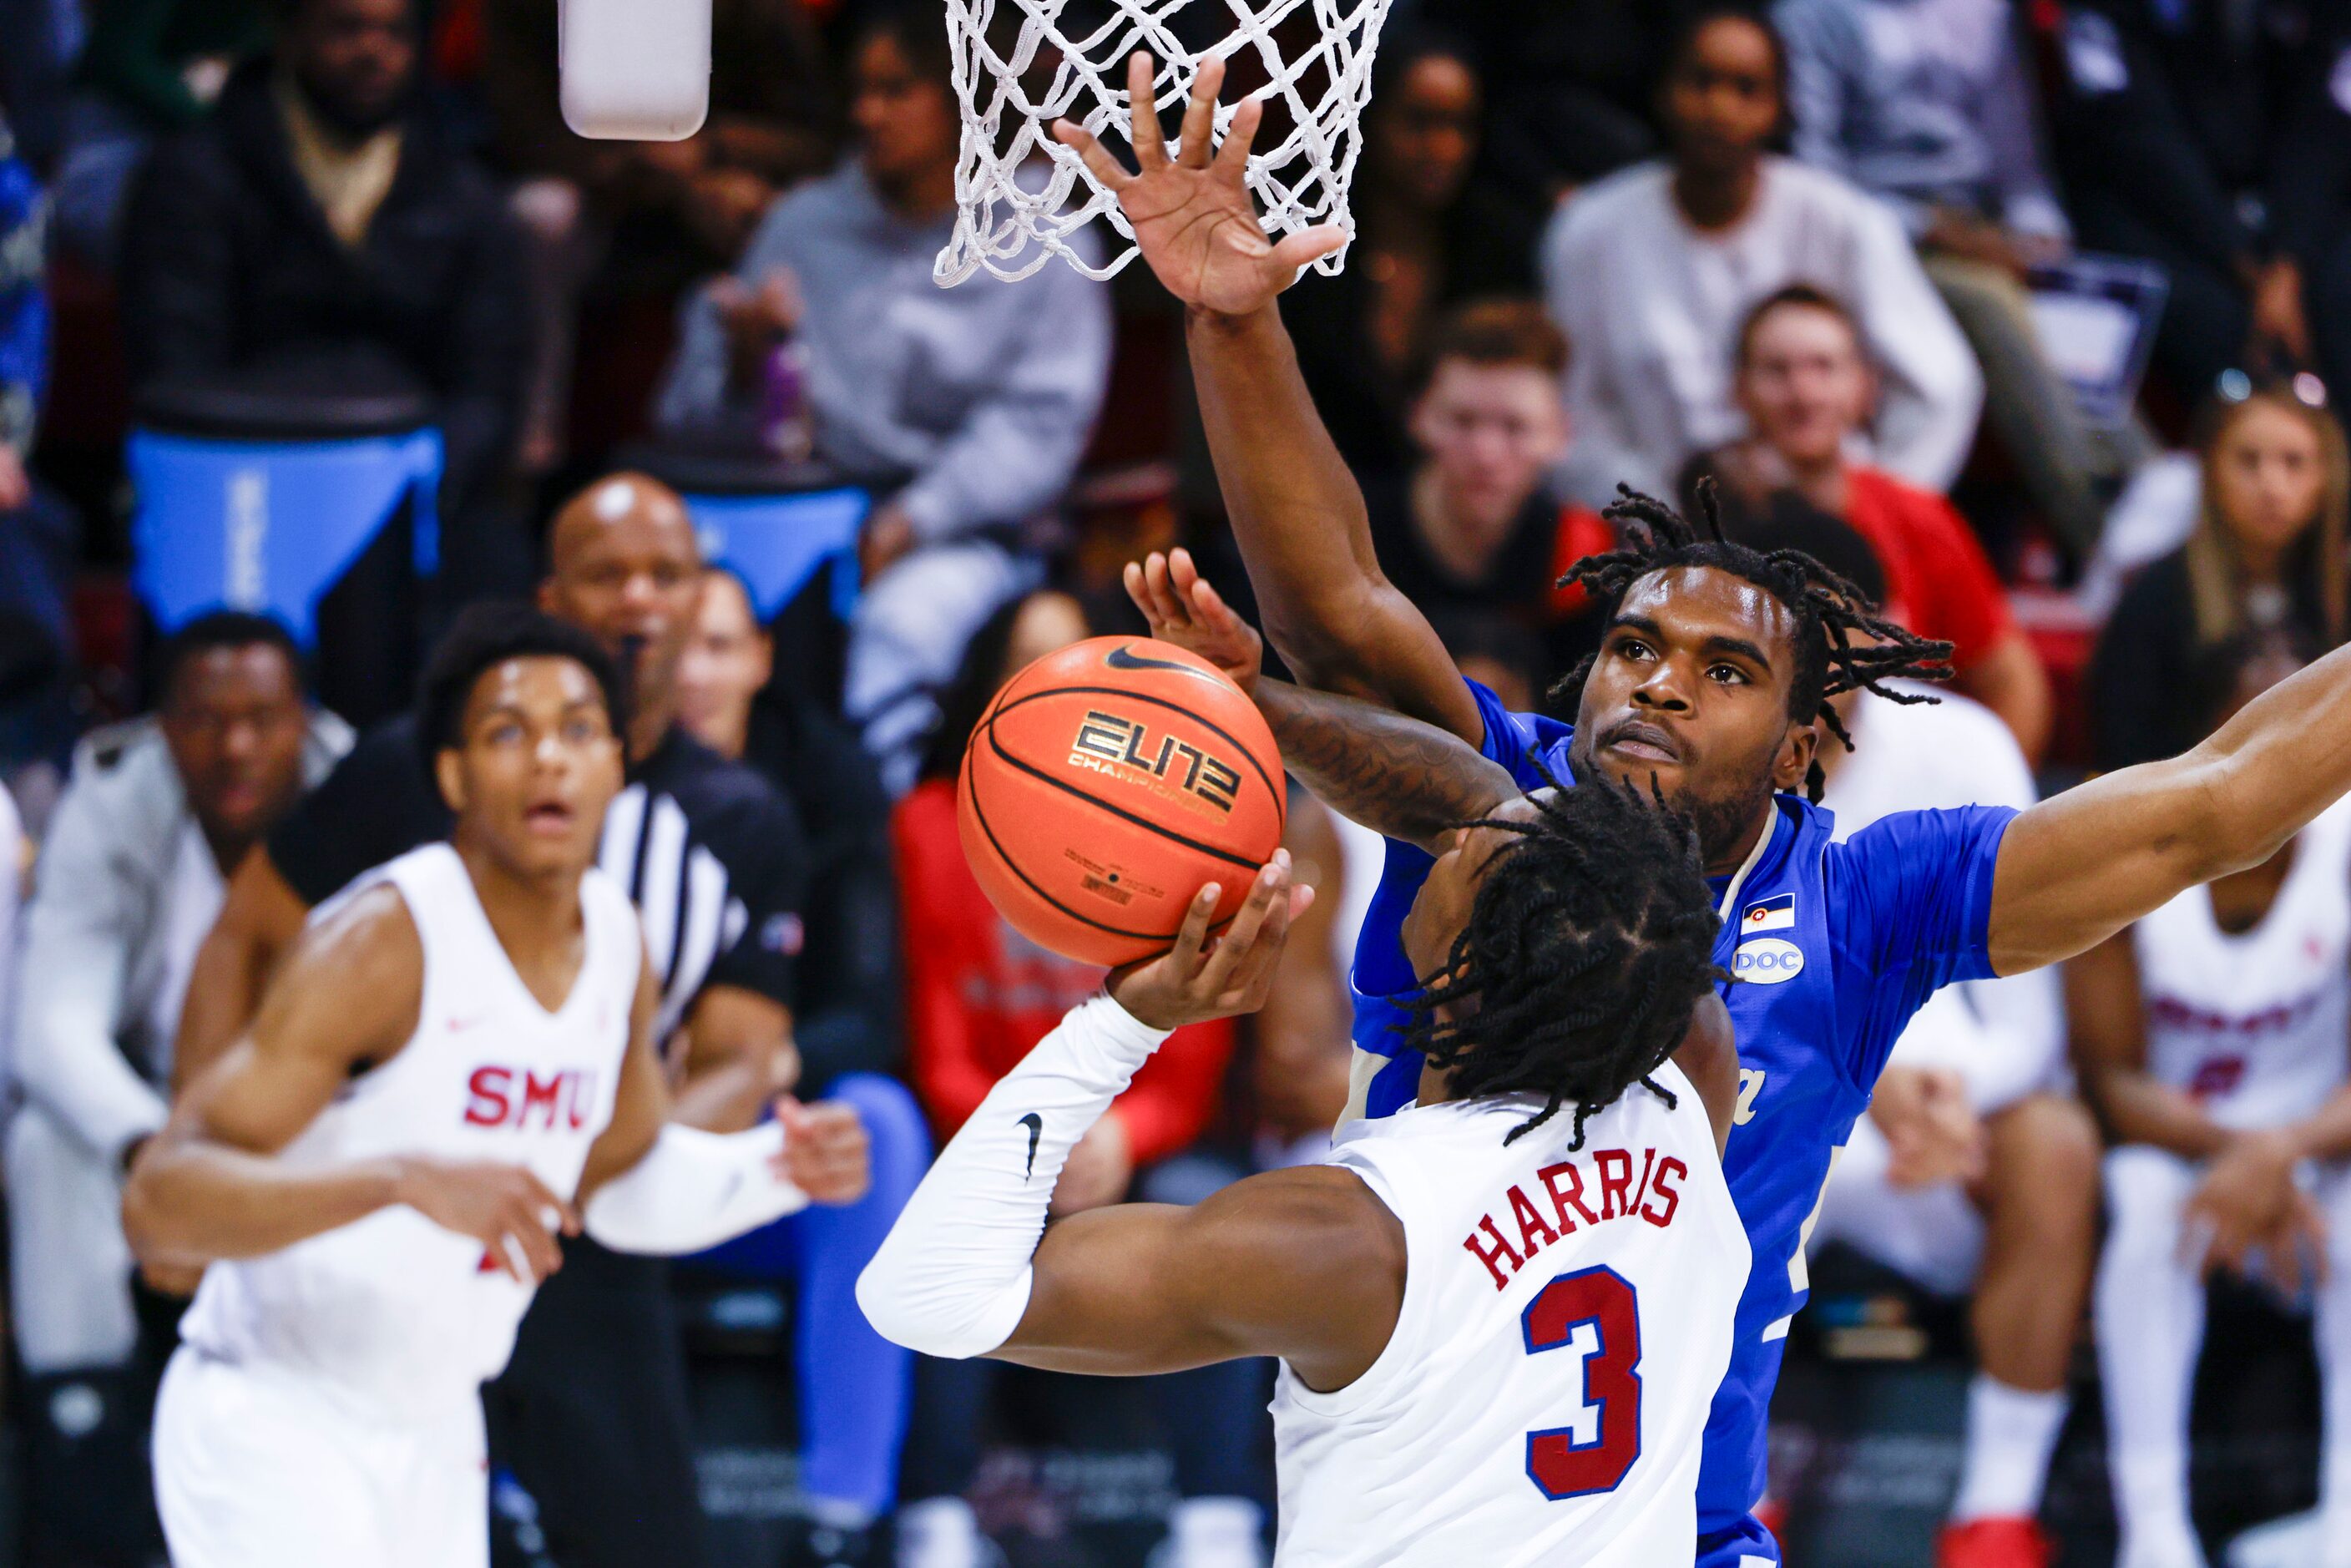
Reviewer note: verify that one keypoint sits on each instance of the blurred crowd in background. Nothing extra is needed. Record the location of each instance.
(314, 316)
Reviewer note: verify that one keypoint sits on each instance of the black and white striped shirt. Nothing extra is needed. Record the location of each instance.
(711, 855)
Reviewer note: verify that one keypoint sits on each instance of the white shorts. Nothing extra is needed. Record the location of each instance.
(1931, 1236)
(256, 1470)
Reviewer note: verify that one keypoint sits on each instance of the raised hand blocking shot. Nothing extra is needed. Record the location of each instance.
(1192, 219)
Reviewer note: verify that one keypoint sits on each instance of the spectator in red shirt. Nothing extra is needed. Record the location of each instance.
(978, 996)
(1806, 386)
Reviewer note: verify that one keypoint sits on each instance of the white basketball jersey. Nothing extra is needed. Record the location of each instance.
(2256, 1026)
(393, 1312)
(1566, 1322)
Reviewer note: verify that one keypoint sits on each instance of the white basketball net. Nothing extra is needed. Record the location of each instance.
(1012, 222)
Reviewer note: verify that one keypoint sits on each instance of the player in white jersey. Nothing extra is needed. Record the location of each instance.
(454, 1062)
(2215, 1038)
(1502, 1314)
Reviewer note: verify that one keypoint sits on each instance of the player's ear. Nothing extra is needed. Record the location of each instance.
(450, 777)
(1797, 748)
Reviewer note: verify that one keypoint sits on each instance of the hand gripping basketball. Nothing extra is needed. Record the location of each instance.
(1105, 785)
(1196, 980)
(1192, 215)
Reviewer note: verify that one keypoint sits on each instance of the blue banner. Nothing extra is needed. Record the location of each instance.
(270, 525)
(776, 542)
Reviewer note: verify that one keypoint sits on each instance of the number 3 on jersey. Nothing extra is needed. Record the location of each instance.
(1593, 1315)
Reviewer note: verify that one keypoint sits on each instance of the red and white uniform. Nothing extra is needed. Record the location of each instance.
(2257, 1026)
(324, 1403)
(1566, 1321)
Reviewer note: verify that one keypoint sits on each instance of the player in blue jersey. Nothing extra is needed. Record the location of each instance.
(1709, 683)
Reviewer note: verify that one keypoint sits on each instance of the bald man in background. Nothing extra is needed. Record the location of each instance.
(591, 1414)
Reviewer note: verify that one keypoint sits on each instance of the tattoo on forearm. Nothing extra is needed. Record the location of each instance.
(1394, 775)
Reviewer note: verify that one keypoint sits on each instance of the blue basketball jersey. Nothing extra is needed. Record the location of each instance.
(1832, 947)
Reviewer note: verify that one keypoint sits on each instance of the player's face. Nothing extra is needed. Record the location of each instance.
(1690, 688)
(727, 659)
(1805, 386)
(538, 764)
(2268, 476)
(234, 721)
(630, 572)
(1440, 912)
(1490, 432)
(1722, 98)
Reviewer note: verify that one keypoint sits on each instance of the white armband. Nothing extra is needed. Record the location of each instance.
(694, 1189)
(951, 1280)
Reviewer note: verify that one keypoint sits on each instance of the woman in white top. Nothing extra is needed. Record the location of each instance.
(1650, 271)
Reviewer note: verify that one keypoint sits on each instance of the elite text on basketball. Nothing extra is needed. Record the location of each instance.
(1106, 743)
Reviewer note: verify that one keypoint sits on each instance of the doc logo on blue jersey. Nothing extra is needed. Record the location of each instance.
(1766, 961)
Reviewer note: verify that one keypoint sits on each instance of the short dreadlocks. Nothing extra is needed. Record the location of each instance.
(1590, 941)
(1829, 610)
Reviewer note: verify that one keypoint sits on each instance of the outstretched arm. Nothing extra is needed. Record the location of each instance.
(1392, 773)
(1293, 1265)
(1396, 775)
(1296, 511)
(2082, 865)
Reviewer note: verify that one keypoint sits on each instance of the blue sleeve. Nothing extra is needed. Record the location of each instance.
(1515, 740)
(1910, 908)
(1525, 743)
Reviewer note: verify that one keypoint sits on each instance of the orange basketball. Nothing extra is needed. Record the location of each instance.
(1105, 784)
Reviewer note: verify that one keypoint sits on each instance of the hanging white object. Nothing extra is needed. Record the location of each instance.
(1016, 211)
(634, 71)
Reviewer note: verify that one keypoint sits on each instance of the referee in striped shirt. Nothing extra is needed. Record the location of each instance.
(591, 1413)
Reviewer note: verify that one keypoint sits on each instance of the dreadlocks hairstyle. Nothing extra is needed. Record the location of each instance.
(1590, 941)
(1830, 610)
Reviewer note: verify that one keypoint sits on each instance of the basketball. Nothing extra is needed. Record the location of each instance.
(1105, 784)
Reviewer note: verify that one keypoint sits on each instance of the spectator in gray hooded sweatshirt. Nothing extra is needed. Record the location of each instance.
(1927, 105)
(972, 405)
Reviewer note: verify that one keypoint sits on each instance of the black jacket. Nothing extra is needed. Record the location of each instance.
(847, 1019)
(2153, 689)
(2174, 114)
(228, 266)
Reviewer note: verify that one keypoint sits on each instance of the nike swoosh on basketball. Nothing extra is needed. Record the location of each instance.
(1123, 658)
(1036, 1125)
